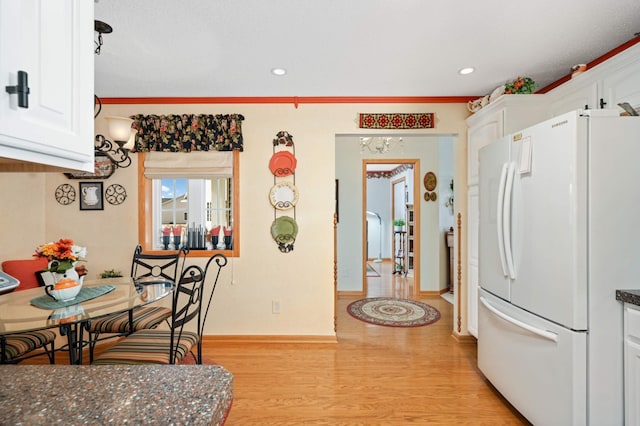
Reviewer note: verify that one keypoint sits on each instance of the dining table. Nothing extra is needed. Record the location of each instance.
(33, 309)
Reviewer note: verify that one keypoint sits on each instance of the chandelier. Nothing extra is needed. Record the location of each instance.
(119, 127)
(379, 145)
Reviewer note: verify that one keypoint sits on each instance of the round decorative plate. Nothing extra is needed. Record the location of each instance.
(283, 163)
(283, 195)
(430, 181)
(284, 230)
(434, 196)
(65, 194)
(115, 194)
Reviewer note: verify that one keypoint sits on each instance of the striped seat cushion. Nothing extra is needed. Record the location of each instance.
(147, 347)
(20, 344)
(143, 318)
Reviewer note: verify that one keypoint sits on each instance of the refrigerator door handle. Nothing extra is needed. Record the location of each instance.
(542, 333)
(503, 179)
(506, 220)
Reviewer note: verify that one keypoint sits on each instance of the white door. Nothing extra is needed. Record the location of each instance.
(549, 220)
(493, 273)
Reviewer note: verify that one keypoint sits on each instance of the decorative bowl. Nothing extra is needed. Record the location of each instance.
(64, 294)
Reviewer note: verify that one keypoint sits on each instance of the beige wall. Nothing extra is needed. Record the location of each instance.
(302, 281)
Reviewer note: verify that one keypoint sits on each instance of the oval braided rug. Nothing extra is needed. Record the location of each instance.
(393, 312)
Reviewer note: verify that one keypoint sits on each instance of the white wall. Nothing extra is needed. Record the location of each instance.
(301, 280)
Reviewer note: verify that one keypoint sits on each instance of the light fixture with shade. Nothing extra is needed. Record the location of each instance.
(119, 127)
(123, 140)
(379, 145)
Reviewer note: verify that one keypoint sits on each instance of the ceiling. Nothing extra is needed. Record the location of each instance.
(348, 48)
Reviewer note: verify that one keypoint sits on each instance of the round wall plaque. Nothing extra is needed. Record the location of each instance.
(115, 194)
(65, 194)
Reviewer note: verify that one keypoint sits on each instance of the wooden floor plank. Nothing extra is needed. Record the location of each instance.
(374, 375)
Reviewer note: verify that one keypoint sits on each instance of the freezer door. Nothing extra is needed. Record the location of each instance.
(538, 366)
(549, 220)
(492, 264)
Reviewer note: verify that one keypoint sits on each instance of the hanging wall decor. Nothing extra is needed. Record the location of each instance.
(419, 120)
(115, 194)
(65, 194)
(430, 184)
(91, 196)
(284, 194)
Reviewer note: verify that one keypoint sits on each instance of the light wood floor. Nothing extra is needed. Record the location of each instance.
(373, 376)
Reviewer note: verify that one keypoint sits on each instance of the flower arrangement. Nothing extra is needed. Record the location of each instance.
(64, 252)
(520, 85)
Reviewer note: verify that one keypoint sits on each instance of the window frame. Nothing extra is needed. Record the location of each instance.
(145, 212)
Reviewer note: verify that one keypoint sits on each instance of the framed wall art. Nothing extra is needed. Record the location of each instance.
(91, 196)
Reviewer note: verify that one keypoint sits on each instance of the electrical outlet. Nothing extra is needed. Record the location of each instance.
(275, 307)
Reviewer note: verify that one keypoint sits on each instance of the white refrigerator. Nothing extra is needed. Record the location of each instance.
(559, 233)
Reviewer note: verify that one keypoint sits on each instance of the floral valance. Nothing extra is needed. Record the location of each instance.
(188, 132)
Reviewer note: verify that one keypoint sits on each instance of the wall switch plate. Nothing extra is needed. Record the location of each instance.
(275, 307)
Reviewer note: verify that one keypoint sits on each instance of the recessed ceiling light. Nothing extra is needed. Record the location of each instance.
(278, 71)
(467, 70)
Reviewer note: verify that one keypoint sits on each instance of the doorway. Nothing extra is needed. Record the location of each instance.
(389, 188)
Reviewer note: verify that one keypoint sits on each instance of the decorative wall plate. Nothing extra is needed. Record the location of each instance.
(430, 181)
(283, 163)
(283, 195)
(65, 194)
(284, 230)
(115, 194)
(433, 196)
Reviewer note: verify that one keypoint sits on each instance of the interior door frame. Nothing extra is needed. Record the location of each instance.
(415, 162)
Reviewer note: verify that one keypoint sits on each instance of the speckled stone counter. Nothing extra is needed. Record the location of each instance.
(115, 394)
(628, 296)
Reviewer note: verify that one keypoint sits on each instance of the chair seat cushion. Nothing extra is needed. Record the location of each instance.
(147, 347)
(19, 344)
(143, 318)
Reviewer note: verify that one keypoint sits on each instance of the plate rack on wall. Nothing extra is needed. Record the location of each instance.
(284, 194)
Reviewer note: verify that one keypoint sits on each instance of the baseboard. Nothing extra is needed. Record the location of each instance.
(350, 294)
(464, 338)
(432, 293)
(279, 339)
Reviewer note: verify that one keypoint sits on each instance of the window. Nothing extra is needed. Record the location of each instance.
(186, 199)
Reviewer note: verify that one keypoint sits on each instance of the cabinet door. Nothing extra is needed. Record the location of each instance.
(585, 97)
(622, 86)
(480, 135)
(51, 40)
(632, 365)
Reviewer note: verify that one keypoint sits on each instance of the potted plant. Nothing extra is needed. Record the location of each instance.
(398, 224)
(110, 273)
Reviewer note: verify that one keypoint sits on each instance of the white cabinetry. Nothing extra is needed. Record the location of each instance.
(631, 364)
(603, 86)
(52, 41)
(507, 114)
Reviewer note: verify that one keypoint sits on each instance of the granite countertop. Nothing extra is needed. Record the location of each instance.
(628, 296)
(115, 394)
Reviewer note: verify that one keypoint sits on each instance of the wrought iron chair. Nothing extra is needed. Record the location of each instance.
(171, 346)
(14, 347)
(143, 266)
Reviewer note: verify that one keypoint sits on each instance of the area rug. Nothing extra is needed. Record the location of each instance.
(392, 312)
(372, 272)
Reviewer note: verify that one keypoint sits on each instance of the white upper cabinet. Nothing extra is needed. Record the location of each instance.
(603, 86)
(52, 41)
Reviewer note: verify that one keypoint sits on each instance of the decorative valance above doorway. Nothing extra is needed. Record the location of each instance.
(188, 132)
(417, 120)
